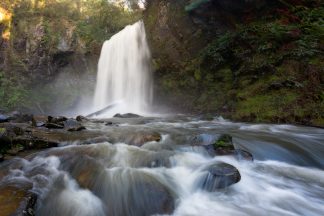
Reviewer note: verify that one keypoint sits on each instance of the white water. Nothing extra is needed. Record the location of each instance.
(124, 73)
(116, 179)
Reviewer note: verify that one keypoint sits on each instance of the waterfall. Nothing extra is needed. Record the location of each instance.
(124, 76)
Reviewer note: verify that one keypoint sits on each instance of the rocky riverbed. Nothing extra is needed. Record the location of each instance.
(133, 165)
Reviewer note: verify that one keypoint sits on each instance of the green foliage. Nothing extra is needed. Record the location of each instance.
(12, 94)
(100, 20)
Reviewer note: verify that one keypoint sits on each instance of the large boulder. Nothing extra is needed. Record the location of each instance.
(219, 176)
(124, 191)
(137, 193)
(73, 125)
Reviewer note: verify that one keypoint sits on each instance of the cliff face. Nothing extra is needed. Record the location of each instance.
(50, 49)
(247, 60)
(37, 53)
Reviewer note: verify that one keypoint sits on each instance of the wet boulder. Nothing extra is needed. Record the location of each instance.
(81, 118)
(73, 125)
(127, 115)
(134, 193)
(4, 118)
(224, 145)
(57, 120)
(17, 201)
(243, 155)
(39, 121)
(219, 176)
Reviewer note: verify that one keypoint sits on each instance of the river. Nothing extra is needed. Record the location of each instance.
(286, 176)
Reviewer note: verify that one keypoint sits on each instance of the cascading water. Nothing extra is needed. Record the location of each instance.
(165, 177)
(124, 72)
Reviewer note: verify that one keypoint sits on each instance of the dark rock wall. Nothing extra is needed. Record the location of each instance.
(224, 57)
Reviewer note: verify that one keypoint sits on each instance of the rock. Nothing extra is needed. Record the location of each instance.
(57, 120)
(4, 118)
(15, 150)
(1, 157)
(23, 118)
(127, 115)
(109, 123)
(73, 125)
(224, 145)
(30, 205)
(220, 175)
(54, 126)
(39, 121)
(100, 139)
(5, 138)
(243, 155)
(30, 142)
(81, 118)
(138, 139)
(16, 201)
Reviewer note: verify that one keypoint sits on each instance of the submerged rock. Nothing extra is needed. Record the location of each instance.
(220, 175)
(139, 138)
(127, 115)
(124, 191)
(243, 155)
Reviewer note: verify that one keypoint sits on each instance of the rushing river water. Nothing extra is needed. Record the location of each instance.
(113, 178)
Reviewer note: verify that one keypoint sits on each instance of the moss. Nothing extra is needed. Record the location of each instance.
(268, 107)
(224, 141)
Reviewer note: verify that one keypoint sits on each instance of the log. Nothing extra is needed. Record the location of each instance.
(102, 110)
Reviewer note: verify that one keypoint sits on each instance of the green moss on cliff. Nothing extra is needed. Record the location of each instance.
(268, 69)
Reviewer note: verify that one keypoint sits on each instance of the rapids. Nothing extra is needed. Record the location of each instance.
(113, 178)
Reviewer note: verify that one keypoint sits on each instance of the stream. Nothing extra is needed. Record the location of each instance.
(164, 177)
